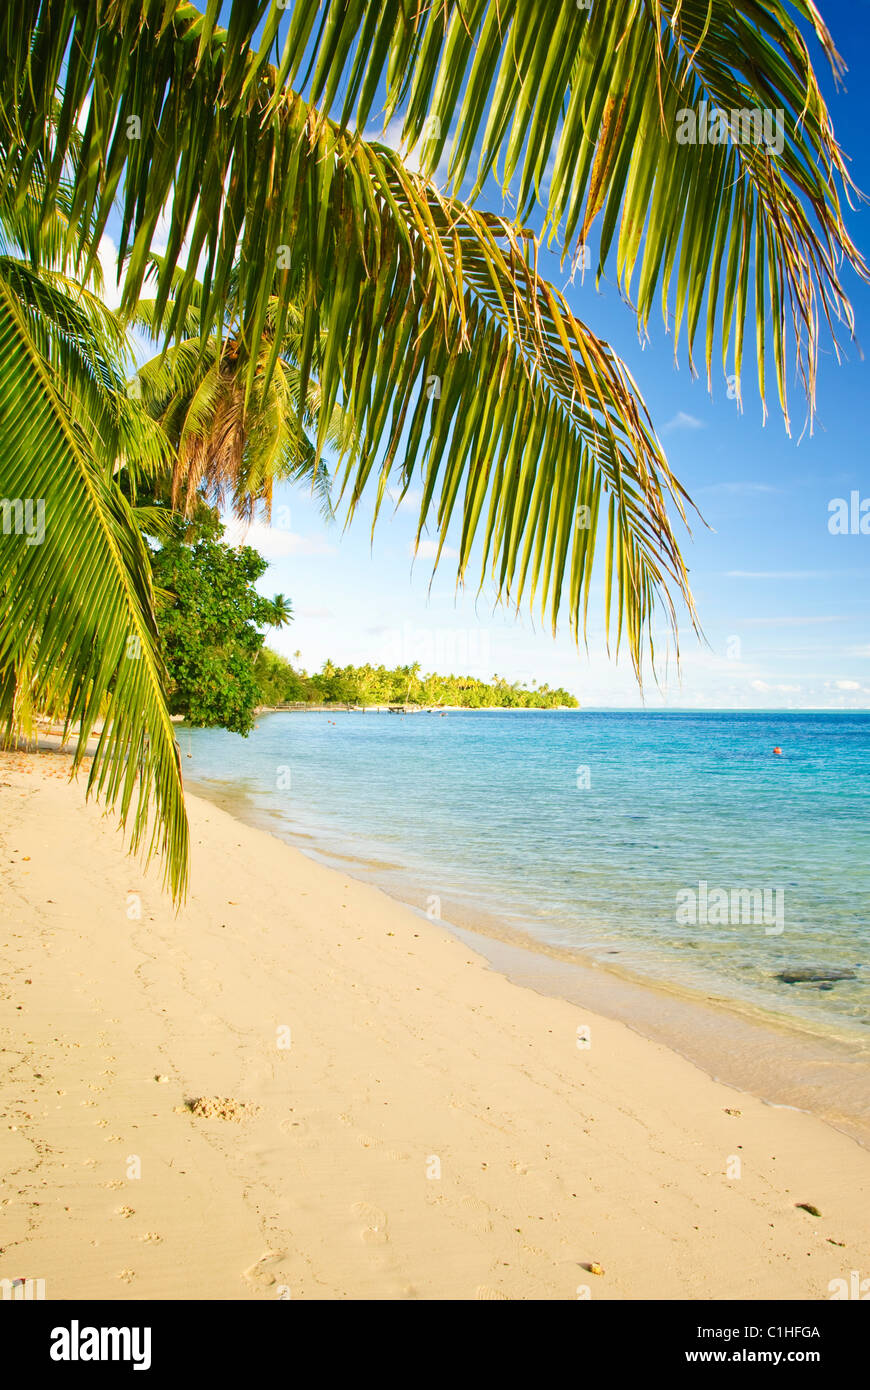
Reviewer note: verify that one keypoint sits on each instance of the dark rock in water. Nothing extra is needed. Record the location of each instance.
(808, 976)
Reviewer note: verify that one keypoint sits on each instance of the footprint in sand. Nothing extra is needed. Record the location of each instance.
(478, 1212)
(124, 1211)
(374, 1231)
(265, 1272)
(485, 1292)
(300, 1131)
(152, 1238)
(366, 1141)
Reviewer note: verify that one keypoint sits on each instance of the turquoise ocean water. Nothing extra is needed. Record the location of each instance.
(586, 831)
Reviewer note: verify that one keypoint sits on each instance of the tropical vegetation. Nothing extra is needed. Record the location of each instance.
(281, 683)
(211, 622)
(421, 315)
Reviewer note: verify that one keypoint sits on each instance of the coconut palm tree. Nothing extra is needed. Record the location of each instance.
(423, 315)
(281, 611)
(231, 446)
(412, 671)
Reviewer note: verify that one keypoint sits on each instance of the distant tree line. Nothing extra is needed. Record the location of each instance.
(282, 683)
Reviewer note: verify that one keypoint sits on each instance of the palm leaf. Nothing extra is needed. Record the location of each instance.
(534, 411)
(85, 347)
(595, 94)
(77, 607)
(392, 279)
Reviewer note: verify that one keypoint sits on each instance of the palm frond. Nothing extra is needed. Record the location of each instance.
(388, 284)
(83, 343)
(583, 109)
(596, 91)
(535, 419)
(77, 618)
(390, 278)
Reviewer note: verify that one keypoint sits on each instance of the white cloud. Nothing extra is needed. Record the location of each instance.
(847, 685)
(764, 688)
(272, 543)
(682, 421)
(160, 240)
(427, 550)
(82, 118)
(409, 503)
(392, 136)
(108, 257)
(107, 253)
(160, 245)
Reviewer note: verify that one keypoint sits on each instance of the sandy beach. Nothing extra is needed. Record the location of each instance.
(297, 1087)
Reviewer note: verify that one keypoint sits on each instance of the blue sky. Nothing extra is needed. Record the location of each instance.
(785, 605)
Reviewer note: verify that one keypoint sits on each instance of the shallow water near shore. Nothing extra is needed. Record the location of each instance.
(585, 850)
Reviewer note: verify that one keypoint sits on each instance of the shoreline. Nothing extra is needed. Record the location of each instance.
(341, 708)
(745, 1046)
(432, 1131)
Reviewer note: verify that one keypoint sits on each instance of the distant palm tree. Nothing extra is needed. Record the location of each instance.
(413, 674)
(232, 445)
(282, 611)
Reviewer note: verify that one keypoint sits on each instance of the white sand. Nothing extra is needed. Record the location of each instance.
(408, 1056)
